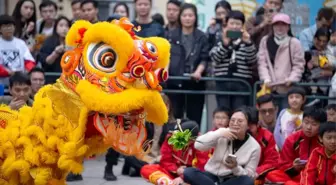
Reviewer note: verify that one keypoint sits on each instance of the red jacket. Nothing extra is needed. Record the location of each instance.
(269, 156)
(171, 160)
(296, 145)
(319, 169)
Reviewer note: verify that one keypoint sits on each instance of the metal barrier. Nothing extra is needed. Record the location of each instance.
(303, 84)
(207, 92)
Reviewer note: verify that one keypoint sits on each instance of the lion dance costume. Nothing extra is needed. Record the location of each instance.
(108, 88)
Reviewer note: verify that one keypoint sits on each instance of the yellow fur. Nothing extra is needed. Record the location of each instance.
(100, 101)
(164, 53)
(39, 145)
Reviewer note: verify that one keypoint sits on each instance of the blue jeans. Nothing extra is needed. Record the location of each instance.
(194, 176)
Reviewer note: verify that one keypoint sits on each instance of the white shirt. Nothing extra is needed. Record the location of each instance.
(13, 55)
(290, 123)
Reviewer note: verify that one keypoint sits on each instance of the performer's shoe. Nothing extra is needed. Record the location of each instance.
(74, 177)
(108, 174)
(125, 169)
(134, 173)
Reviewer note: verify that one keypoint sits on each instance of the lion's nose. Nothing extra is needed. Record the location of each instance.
(161, 74)
(137, 71)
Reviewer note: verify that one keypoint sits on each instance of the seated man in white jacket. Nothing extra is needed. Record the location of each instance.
(235, 158)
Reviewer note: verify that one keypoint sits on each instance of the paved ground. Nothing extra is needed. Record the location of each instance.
(93, 175)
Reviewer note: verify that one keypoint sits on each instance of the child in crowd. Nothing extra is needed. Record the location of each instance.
(14, 53)
(331, 112)
(321, 166)
(173, 162)
(20, 90)
(290, 119)
(298, 147)
(269, 156)
(221, 117)
(332, 42)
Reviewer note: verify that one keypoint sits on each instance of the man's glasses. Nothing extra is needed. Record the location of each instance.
(269, 111)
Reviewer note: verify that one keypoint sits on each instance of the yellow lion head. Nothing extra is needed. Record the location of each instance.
(117, 76)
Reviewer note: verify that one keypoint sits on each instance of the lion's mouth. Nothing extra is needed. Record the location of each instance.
(128, 121)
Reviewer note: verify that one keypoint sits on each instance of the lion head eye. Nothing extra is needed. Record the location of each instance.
(107, 60)
(102, 57)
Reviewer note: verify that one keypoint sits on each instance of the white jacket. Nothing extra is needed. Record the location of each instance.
(248, 155)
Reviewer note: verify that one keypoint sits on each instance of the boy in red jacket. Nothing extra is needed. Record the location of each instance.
(173, 162)
(321, 166)
(298, 147)
(269, 156)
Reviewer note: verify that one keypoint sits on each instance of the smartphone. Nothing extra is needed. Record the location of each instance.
(234, 34)
(303, 161)
(219, 21)
(230, 158)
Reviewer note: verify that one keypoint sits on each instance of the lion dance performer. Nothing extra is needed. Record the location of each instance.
(109, 86)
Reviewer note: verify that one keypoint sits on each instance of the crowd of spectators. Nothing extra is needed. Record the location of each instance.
(289, 140)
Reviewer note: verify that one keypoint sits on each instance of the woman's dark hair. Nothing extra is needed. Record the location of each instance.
(236, 14)
(158, 18)
(245, 110)
(121, 4)
(18, 21)
(322, 32)
(224, 4)
(57, 22)
(193, 8)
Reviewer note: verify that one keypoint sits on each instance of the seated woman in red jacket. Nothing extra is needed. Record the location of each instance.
(269, 157)
(298, 147)
(321, 166)
(173, 162)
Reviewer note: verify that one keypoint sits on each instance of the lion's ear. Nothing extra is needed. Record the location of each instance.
(77, 32)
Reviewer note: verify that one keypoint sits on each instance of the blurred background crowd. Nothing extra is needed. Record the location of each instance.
(234, 54)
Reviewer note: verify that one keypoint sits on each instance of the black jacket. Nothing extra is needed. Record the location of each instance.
(199, 53)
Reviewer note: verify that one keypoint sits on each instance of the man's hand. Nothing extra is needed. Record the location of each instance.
(298, 166)
(16, 103)
(178, 181)
(180, 170)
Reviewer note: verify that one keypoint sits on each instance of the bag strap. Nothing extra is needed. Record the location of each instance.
(290, 52)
